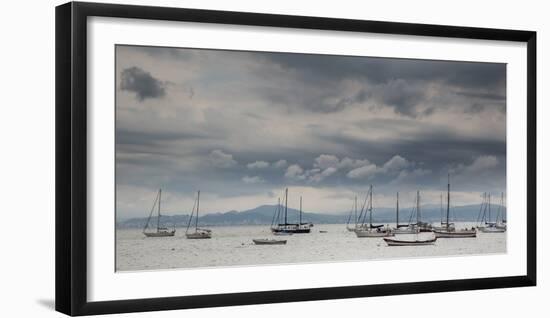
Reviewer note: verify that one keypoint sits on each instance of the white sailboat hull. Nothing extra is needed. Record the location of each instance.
(199, 235)
(405, 231)
(369, 233)
(443, 228)
(160, 234)
(455, 234)
(292, 228)
(492, 229)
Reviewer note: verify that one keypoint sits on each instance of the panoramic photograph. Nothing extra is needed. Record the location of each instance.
(243, 158)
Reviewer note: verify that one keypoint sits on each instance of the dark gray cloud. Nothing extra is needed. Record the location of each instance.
(486, 96)
(397, 83)
(382, 70)
(151, 138)
(142, 83)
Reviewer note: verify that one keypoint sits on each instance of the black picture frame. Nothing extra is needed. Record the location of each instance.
(71, 157)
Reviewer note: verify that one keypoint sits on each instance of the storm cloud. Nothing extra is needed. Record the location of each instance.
(136, 80)
(241, 126)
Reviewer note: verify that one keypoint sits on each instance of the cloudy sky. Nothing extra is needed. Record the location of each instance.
(241, 126)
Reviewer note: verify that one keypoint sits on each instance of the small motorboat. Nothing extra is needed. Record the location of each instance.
(268, 242)
(416, 242)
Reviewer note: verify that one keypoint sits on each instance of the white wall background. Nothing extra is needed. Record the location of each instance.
(27, 160)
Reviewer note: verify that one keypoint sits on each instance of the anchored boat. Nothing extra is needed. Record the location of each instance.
(275, 221)
(161, 231)
(294, 228)
(416, 241)
(449, 232)
(403, 228)
(199, 233)
(397, 242)
(484, 217)
(371, 230)
(442, 225)
(486, 225)
(268, 242)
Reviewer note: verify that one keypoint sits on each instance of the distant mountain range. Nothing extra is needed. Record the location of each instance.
(264, 215)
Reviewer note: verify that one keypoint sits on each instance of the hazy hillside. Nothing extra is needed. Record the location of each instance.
(264, 215)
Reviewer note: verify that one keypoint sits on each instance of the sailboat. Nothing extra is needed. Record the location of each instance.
(442, 225)
(416, 241)
(486, 226)
(275, 221)
(161, 231)
(501, 224)
(352, 212)
(449, 232)
(295, 228)
(371, 230)
(199, 233)
(403, 228)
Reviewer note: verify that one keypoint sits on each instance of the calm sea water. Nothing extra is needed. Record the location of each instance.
(233, 246)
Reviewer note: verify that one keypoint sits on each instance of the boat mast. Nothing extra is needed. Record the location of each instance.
(300, 210)
(286, 205)
(370, 207)
(500, 207)
(482, 208)
(363, 214)
(276, 214)
(158, 218)
(489, 207)
(198, 202)
(448, 198)
(349, 216)
(151, 213)
(355, 211)
(441, 208)
(191, 217)
(278, 211)
(417, 208)
(397, 212)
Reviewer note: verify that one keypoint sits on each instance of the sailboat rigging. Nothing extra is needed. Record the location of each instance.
(371, 230)
(199, 233)
(416, 229)
(442, 224)
(501, 216)
(295, 228)
(409, 228)
(485, 223)
(353, 212)
(161, 231)
(276, 221)
(448, 231)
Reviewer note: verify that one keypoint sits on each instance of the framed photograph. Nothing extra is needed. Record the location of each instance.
(209, 158)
